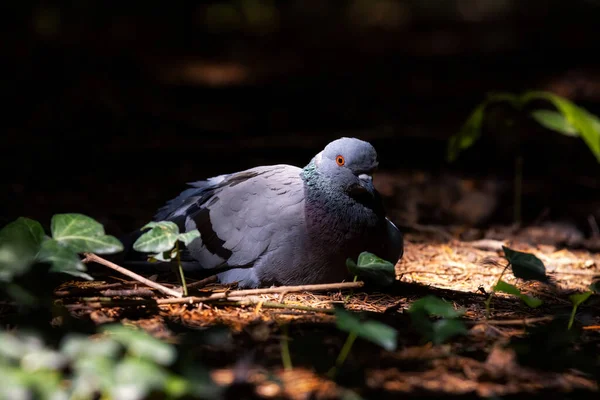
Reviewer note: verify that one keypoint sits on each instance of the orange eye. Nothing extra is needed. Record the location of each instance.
(340, 160)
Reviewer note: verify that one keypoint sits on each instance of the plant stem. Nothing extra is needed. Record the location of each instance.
(286, 359)
(489, 299)
(518, 189)
(180, 267)
(343, 354)
(572, 318)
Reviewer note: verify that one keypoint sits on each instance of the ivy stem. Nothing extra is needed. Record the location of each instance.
(286, 359)
(488, 302)
(343, 354)
(180, 267)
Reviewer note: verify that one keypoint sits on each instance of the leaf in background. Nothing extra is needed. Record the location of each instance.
(62, 259)
(585, 122)
(434, 306)
(468, 134)
(83, 234)
(525, 265)
(554, 121)
(372, 268)
(595, 286)
(506, 287)
(579, 298)
(188, 237)
(19, 244)
(531, 301)
(373, 331)
(141, 344)
(160, 238)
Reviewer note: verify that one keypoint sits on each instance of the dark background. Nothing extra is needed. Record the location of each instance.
(111, 107)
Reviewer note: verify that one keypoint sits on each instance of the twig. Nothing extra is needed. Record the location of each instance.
(202, 282)
(141, 292)
(94, 258)
(591, 328)
(280, 289)
(235, 301)
(525, 321)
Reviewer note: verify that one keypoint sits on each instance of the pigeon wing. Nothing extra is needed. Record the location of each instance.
(239, 216)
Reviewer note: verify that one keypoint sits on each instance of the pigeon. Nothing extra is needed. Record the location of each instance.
(285, 225)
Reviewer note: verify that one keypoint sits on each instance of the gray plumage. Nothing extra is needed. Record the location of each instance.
(283, 225)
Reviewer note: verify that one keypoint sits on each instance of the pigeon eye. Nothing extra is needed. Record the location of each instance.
(340, 160)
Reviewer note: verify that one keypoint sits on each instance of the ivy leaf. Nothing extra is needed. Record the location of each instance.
(62, 259)
(526, 266)
(373, 331)
(142, 344)
(436, 331)
(135, 378)
(506, 287)
(20, 242)
(595, 286)
(587, 124)
(554, 121)
(372, 268)
(445, 328)
(164, 256)
(468, 134)
(160, 238)
(434, 306)
(188, 237)
(578, 298)
(82, 234)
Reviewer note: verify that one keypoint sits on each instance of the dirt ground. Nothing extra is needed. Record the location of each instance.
(480, 364)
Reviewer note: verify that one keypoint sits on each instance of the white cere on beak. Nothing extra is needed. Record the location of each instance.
(365, 177)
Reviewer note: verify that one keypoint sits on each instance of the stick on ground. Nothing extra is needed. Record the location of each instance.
(280, 289)
(94, 258)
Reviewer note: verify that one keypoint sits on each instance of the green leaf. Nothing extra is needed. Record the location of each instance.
(62, 259)
(83, 234)
(586, 123)
(579, 298)
(468, 133)
(506, 287)
(19, 245)
(525, 265)
(531, 301)
(164, 256)
(434, 306)
(373, 331)
(141, 344)
(554, 121)
(188, 237)
(595, 286)
(444, 329)
(372, 268)
(135, 378)
(78, 346)
(160, 238)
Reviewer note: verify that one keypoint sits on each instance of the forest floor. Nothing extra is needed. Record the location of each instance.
(483, 363)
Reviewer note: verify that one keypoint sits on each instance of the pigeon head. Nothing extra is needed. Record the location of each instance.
(348, 163)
